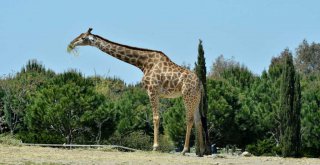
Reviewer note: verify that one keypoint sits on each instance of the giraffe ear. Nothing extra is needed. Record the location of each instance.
(89, 30)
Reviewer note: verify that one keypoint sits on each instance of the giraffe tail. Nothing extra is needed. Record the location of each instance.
(200, 147)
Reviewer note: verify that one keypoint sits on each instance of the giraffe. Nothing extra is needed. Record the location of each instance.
(162, 78)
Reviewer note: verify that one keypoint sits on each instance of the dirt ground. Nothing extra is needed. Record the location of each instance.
(42, 155)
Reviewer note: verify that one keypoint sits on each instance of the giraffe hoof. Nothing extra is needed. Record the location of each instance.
(155, 148)
(184, 151)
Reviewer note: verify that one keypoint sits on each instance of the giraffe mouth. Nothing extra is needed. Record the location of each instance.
(72, 49)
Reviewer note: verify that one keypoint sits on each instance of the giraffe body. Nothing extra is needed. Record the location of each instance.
(162, 79)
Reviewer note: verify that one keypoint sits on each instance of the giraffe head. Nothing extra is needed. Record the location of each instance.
(82, 40)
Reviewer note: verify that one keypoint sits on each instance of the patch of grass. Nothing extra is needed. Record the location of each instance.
(107, 149)
(44, 163)
(9, 139)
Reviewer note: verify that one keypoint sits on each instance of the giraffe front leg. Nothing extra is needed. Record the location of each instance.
(155, 130)
(154, 100)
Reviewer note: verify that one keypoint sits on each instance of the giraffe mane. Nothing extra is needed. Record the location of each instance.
(127, 46)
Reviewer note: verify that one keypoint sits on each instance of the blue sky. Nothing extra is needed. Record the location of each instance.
(251, 31)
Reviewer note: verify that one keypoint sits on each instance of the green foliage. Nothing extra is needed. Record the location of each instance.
(58, 108)
(9, 139)
(134, 111)
(166, 144)
(230, 70)
(137, 140)
(100, 123)
(17, 89)
(224, 106)
(290, 107)
(265, 147)
(14, 101)
(174, 121)
(310, 115)
(307, 60)
(2, 120)
(244, 104)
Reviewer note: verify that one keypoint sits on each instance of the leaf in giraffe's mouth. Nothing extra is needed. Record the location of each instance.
(73, 50)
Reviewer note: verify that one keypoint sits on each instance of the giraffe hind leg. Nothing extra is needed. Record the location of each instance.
(192, 115)
(189, 123)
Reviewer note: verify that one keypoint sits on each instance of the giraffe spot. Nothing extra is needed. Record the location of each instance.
(126, 59)
(133, 61)
(165, 69)
(128, 51)
(165, 84)
(150, 60)
(158, 77)
(158, 71)
(135, 53)
(139, 63)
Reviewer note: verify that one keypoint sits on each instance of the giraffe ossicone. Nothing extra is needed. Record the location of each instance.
(162, 78)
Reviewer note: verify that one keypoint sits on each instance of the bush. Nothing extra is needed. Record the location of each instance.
(266, 147)
(137, 140)
(165, 144)
(45, 137)
(9, 140)
(141, 141)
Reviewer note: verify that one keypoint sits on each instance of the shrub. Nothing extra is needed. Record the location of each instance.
(9, 139)
(137, 140)
(165, 144)
(141, 141)
(266, 147)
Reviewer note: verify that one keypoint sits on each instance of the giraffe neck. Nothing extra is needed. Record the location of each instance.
(134, 56)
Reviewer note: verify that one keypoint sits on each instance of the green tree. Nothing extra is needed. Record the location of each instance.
(17, 89)
(174, 121)
(244, 118)
(238, 75)
(223, 106)
(310, 115)
(2, 120)
(14, 102)
(290, 106)
(134, 111)
(308, 57)
(56, 110)
(201, 71)
(100, 123)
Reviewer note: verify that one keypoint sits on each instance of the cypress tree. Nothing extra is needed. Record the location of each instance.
(201, 71)
(290, 107)
(296, 116)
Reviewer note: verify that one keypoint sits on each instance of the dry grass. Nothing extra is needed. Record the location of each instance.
(41, 155)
